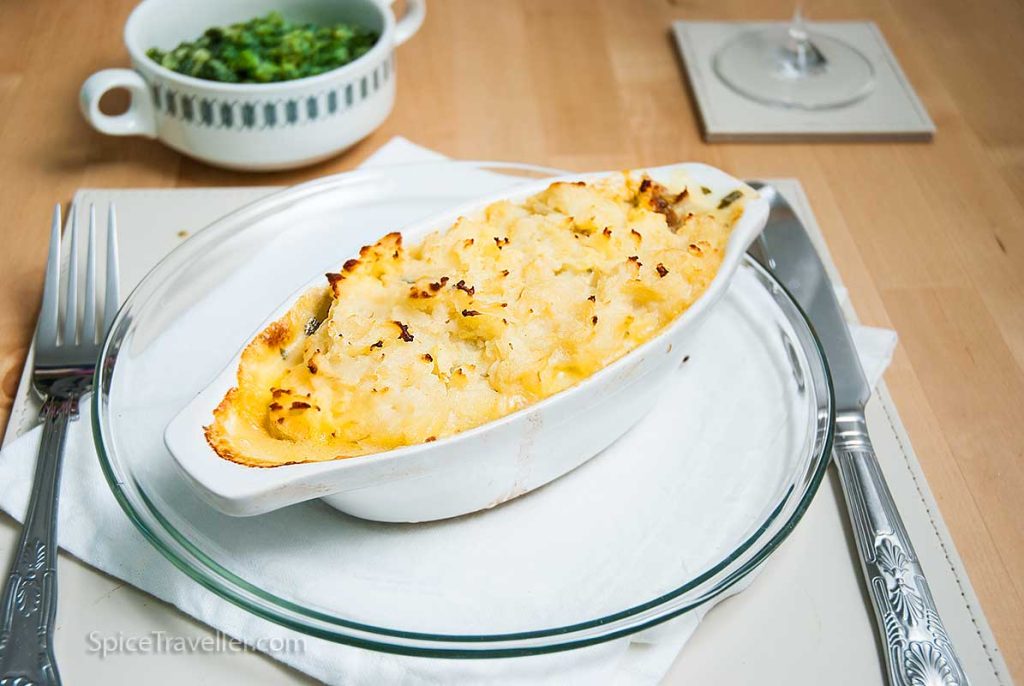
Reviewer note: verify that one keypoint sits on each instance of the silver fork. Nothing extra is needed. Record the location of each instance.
(65, 358)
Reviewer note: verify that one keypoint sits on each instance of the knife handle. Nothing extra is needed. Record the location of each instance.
(917, 648)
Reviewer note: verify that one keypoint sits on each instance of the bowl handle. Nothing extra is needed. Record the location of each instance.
(410, 23)
(138, 120)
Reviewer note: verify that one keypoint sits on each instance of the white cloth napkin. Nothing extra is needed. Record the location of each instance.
(94, 529)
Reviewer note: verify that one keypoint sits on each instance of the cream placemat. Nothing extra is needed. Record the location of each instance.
(808, 595)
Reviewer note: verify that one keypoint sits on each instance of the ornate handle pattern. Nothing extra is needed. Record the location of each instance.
(918, 652)
(29, 602)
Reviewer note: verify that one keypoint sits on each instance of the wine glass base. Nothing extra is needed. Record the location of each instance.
(763, 66)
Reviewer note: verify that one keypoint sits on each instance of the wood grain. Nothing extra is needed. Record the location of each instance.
(929, 237)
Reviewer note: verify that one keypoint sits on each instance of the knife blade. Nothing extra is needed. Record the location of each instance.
(917, 648)
(786, 250)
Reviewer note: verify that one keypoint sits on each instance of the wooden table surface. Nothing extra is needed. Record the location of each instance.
(929, 237)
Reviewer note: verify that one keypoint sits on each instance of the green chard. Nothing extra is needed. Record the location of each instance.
(266, 49)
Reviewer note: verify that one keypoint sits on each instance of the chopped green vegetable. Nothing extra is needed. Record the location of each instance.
(266, 49)
(730, 199)
(705, 190)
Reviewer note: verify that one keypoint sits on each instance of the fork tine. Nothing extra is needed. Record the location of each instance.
(89, 316)
(71, 299)
(112, 298)
(49, 313)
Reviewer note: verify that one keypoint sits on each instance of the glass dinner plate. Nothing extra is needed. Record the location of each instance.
(672, 515)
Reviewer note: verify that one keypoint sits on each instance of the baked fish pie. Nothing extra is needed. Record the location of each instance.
(406, 344)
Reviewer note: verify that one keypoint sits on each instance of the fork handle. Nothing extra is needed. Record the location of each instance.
(917, 648)
(30, 596)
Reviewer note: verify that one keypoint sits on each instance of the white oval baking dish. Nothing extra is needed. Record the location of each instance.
(484, 466)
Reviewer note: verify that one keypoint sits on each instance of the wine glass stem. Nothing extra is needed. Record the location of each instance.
(801, 55)
(797, 27)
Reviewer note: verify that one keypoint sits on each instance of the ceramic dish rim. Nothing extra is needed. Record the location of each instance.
(249, 483)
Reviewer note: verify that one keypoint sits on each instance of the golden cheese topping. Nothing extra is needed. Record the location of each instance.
(408, 344)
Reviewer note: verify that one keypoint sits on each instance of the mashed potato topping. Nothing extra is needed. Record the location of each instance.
(407, 344)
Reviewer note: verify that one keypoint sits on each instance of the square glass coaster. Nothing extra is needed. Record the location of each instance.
(892, 111)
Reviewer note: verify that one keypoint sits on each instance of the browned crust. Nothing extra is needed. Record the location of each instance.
(654, 196)
(276, 335)
(282, 333)
(389, 247)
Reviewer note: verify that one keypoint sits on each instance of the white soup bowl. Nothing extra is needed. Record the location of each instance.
(258, 126)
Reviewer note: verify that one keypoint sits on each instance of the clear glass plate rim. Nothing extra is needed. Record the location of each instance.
(207, 572)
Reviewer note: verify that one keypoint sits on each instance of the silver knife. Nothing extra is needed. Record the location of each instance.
(917, 648)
